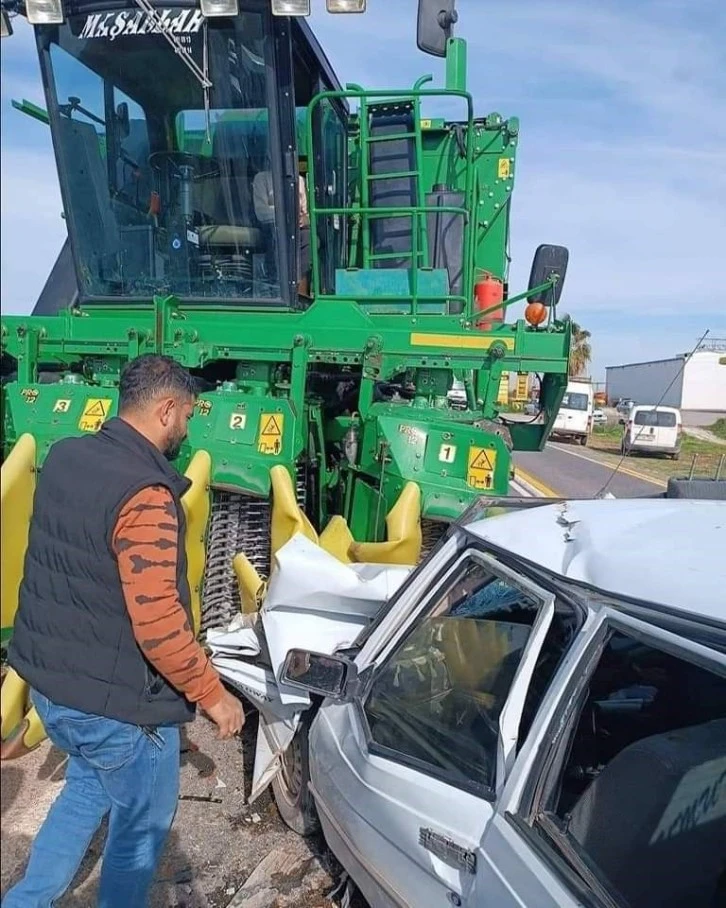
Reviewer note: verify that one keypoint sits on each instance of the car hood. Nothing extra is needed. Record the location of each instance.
(662, 551)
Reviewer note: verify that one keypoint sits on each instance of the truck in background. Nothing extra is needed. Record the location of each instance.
(575, 417)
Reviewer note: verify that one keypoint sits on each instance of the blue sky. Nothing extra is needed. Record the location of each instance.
(622, 154)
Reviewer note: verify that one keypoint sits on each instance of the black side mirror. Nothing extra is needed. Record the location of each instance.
(318, 673)
(548, 261)
(435, 21)
(6, 26)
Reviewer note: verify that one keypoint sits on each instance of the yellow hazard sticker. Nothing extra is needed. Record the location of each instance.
(94, 413)
(480, 471)
(269, 441)
(425, 124)
(238, 421)
(62, 405)
(504, 168)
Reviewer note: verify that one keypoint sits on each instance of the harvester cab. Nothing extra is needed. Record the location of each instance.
(330, 262)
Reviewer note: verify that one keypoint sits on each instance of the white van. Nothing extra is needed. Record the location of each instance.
(653, 429)
(574, 418)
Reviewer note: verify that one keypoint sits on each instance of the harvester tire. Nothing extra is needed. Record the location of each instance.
(290, 786)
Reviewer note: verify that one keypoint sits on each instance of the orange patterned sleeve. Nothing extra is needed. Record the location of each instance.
(145, 543)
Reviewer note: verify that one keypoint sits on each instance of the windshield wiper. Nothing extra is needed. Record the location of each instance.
(200, 75)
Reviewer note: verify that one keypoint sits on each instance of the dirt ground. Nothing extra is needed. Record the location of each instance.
(222, 852)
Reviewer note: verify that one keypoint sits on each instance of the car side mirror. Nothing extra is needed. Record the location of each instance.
(319, 673)
(6, 26)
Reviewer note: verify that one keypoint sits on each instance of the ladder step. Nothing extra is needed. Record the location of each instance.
(382, 256)
(392, 137)
(399, 105)
(392, 174)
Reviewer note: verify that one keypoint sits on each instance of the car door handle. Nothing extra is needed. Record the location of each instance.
(447, 849)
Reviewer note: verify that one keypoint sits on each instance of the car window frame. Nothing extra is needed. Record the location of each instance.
(551, 750)
(511, 713)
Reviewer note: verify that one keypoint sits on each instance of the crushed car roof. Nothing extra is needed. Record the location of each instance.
(670, 552)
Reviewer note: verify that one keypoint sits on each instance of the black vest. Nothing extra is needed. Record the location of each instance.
(72, 639)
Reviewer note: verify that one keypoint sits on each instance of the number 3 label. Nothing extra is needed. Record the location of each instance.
(447, 453)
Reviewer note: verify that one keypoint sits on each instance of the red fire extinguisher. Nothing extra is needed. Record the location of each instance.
(488, 292)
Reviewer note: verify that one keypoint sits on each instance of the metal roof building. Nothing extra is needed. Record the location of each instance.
(695, 383)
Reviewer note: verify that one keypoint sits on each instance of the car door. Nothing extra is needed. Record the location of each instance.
(406, 778)
(645, 824)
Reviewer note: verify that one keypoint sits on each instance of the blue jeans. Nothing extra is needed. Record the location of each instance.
(113, 768)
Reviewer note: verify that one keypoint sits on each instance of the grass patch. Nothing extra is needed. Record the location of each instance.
(719, 428)
(703, 457)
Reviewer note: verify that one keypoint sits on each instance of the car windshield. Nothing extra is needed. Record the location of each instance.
(574, 400)
(660, 418)
(167, 182)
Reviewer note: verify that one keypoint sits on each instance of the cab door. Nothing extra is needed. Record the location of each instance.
(330, 176)
(406, 779)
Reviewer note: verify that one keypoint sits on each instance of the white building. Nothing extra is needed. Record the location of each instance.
(695, 385)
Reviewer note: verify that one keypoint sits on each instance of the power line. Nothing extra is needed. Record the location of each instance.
(670, 385)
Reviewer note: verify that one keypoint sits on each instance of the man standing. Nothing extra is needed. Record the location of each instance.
(104, 637)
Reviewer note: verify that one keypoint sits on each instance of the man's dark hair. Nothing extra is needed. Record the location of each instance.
(150, 376)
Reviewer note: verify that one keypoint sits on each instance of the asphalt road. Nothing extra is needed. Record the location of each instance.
(569, 470)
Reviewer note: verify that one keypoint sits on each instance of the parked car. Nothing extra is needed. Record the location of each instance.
(624, 405)
(656, 430)
(599, 416)
(535, 717)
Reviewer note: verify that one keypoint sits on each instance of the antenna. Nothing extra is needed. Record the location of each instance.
(617, 466)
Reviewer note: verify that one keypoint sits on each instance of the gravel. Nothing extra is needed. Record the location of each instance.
(221, 852)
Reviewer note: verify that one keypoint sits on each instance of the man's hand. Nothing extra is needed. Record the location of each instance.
(228, 715)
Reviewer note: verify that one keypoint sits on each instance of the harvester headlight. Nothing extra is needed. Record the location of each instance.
(44, 12)
(290, 7)
(346, 6)
(211, 8)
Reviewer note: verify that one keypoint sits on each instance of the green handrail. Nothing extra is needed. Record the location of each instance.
(416, 212)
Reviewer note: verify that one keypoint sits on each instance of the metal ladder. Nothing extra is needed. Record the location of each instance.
(371, 115)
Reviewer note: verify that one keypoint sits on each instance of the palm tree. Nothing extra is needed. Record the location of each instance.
(580, 351)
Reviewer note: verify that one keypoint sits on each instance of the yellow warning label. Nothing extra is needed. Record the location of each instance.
(62, 405)
(269, 441)
(425, 124)
(504, 168)
(480, 472)
(94, 414)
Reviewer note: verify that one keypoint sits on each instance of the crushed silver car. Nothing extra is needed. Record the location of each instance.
(534, 716)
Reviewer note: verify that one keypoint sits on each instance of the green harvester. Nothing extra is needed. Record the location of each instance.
(350, 360)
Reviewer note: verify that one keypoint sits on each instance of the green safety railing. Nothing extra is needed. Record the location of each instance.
(417, 213)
